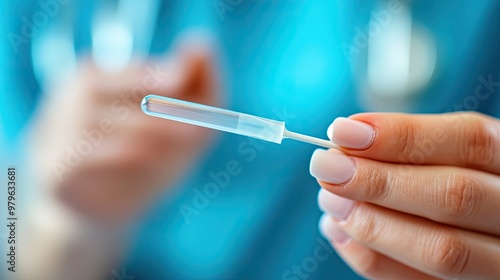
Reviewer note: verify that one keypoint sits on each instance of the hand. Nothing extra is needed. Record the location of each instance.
(101, 154)
(413, 196)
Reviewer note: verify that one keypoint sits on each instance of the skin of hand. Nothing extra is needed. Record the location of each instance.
(413, 196)
(126, 158)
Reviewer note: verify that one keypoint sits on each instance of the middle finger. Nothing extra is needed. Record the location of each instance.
(451, 195)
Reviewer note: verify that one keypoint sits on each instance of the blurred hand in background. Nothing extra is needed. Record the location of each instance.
(101, 154)
(100, 161)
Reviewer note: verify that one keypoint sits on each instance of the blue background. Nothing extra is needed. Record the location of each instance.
(276, 56)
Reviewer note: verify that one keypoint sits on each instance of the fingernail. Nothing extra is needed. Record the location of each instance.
(338, 207)
(329, 131)
(351, 134)
(331, 167)
(332, 232)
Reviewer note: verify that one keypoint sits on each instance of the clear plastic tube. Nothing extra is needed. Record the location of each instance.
(224, 120)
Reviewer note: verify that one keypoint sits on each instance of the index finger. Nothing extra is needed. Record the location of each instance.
(459, 139)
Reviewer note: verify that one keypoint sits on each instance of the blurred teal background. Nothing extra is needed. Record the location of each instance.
(281, 60)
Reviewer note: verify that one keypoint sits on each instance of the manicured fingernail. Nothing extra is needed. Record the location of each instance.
(329, 132)
(352, 134)
(338, 207)
(332, 232)
(331, 167)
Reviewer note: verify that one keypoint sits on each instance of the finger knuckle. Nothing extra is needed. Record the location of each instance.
(375, 186)
(477, 142)
(406, 137)
(365, 228)
(461, 196)
(450, 255)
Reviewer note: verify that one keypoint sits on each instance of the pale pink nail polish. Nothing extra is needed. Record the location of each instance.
(331, 167)
(338, 207)
(332, 232)
(352, 134)
(329, 131)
